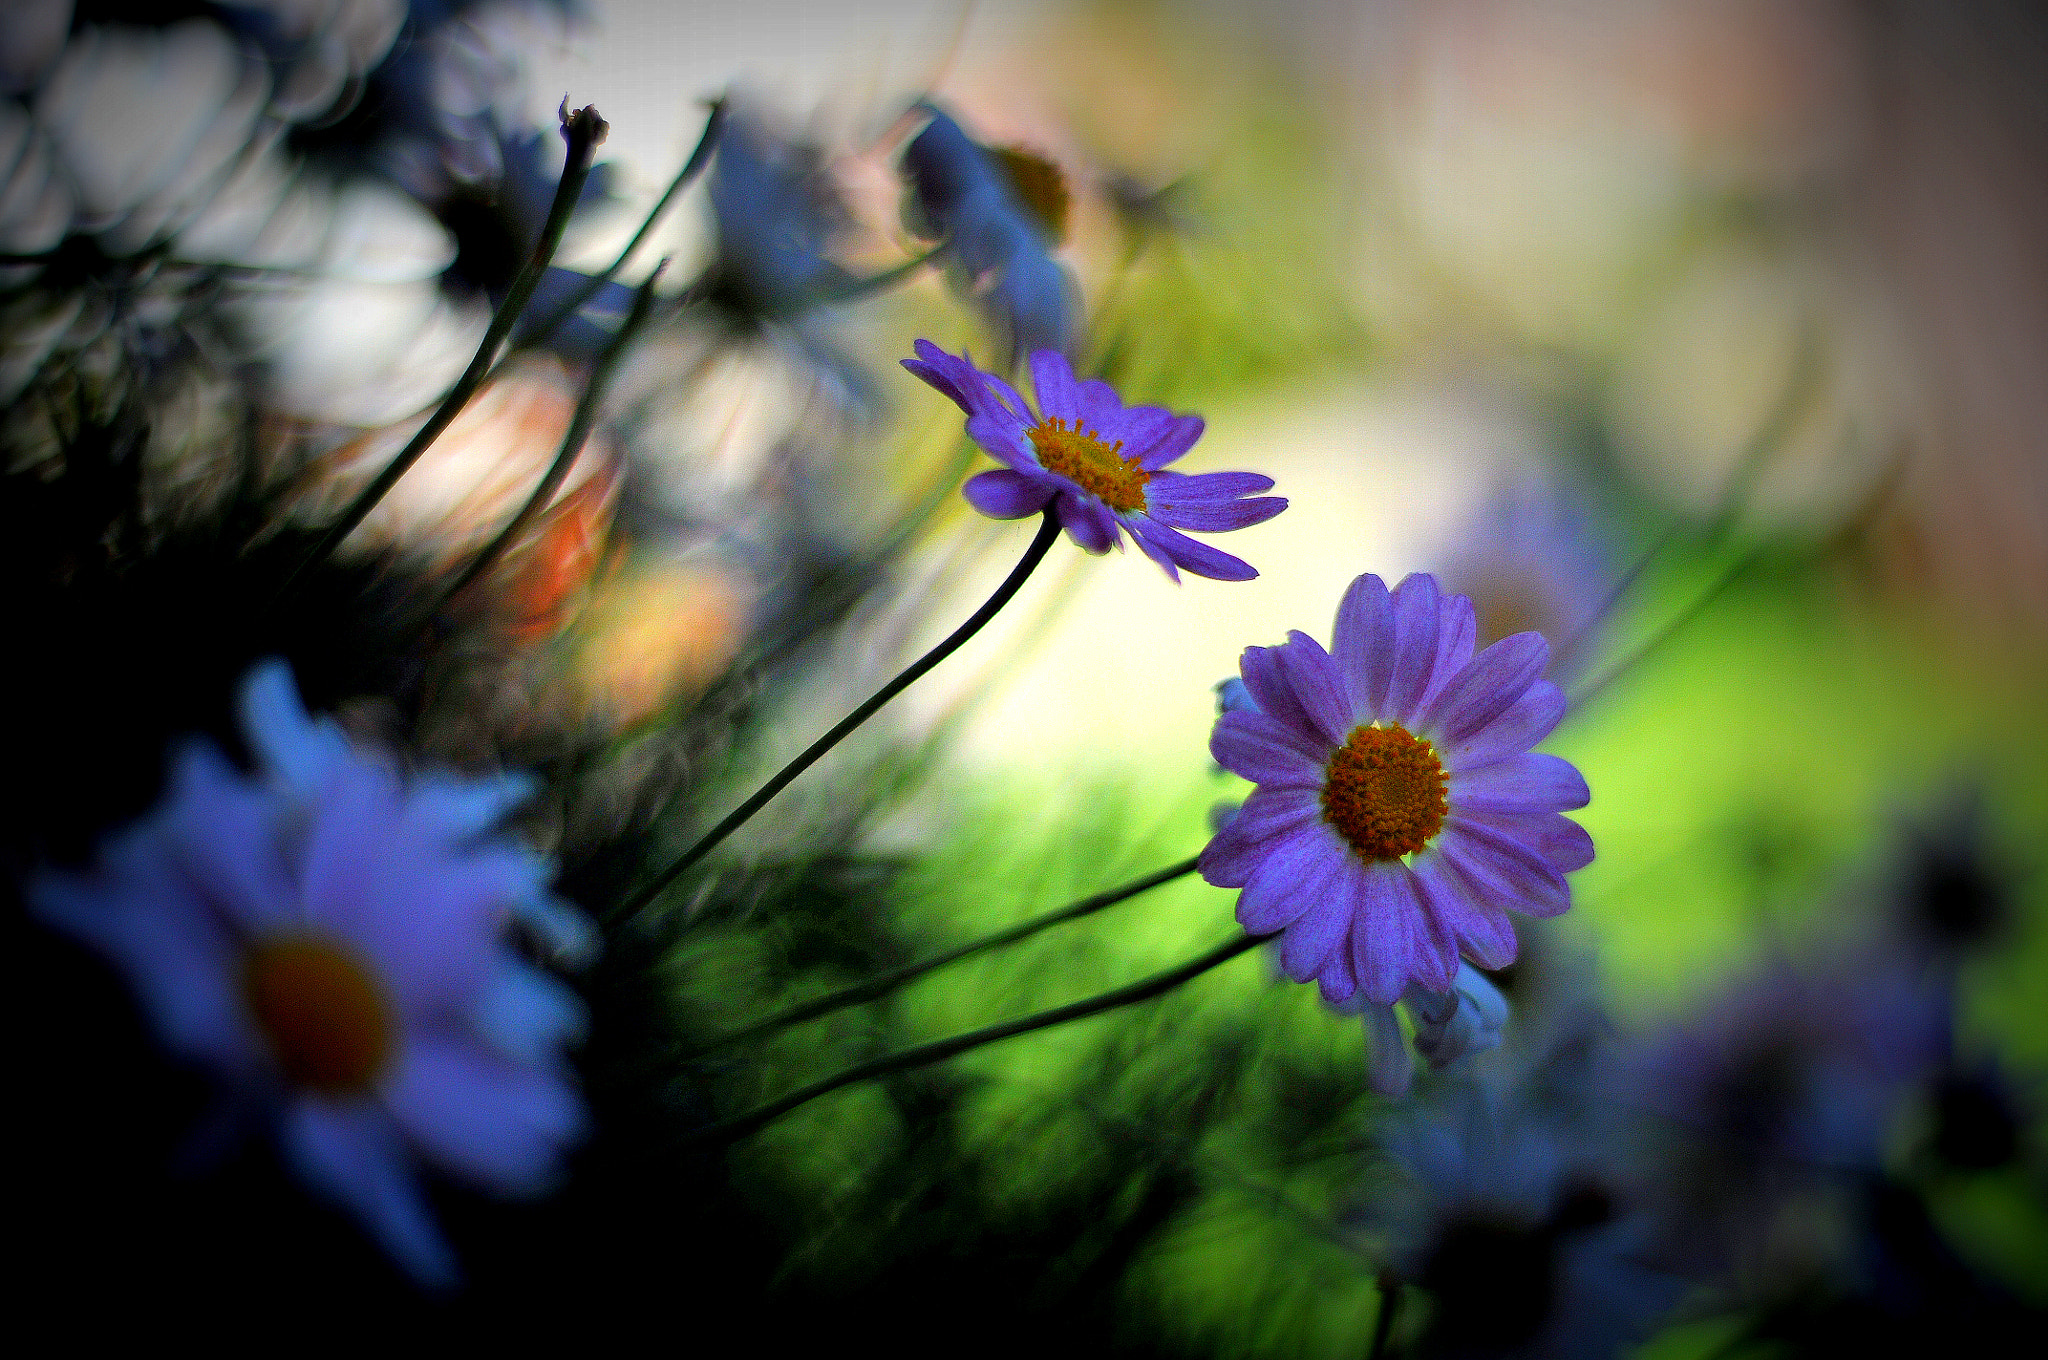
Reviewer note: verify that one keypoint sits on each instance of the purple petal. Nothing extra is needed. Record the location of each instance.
(1136, 428)
(1007, 400)
(1218, 518)
(1170, 445)
(1389, 1069)
(1436, 940)
(1276, 895)
(1266, 679)
(223, 831)
(940, 379)
(1270, 811)
(431, 923)
(176, 951)
(1363, 644)
(1556, 837)
(1157, 554)
(1486, 688)
(1101, 409)
(1316, 683)
(1337, 979)
(1383, 937)
(349, 1151)
(349, 847)
(1199, 558)
(1417, 611)
(1087, 522)
(1482, 929)
(453, 808)
(1232, 855)
(1504, 870)
(1267, 751)
(1052, 379)
(524, 1016)
(1006, 494)
(954, 375)
(1523, 783)
(1002, 439)
(293, 747)
(1527, 721)
(500, 1126)
(1318, 932)
(1457, 632)
(1205, 488)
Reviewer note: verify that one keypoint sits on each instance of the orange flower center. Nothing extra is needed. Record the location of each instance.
(1080, 456)
(326, 1017)
(1386, 792)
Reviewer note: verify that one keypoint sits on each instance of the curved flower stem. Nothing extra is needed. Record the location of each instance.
(1048, 530)
(1853, 530)
(1592, 689)
(572, 444)
(1794, 400)
(885, 983)
(924, 1055)
(855, 289)
(707, 142)
(1383, 1322)
(583, 131)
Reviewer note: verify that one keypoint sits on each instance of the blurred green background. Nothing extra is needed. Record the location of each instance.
(1675, 259)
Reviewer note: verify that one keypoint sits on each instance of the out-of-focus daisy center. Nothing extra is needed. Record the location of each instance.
(1039, 185)
(1507, 604)
(326, 1017)
(1385, 791)
(1079, 455)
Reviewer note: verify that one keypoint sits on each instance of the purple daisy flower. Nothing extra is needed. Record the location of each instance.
(1099, 463)
(331, 942)
(1399, 809)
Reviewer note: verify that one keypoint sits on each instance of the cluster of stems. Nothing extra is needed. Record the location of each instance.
(583, 131)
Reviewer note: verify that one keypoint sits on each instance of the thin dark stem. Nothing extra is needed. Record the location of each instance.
(583, 131)
(572, 444)
(882, 984)
(924, 1055)
(875, 283)
(1048, 530)
(1567, 651)
(1593, 688)
(1383, 1323)
(586, 290)
(1756, 455)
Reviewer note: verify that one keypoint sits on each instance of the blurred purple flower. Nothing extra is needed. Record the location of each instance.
(1099, 462)
(1800, 1064)
(964, 196)
(1509, 1215)
(1399, 810)
(331, 942)
(777, 214)
(1776, 1102)
(1532, 561)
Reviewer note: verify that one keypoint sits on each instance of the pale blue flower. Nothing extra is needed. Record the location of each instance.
(332, 940)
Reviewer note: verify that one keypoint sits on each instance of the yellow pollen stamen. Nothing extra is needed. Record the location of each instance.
(1385, 792)
(1080, 456)
(327, 1019)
